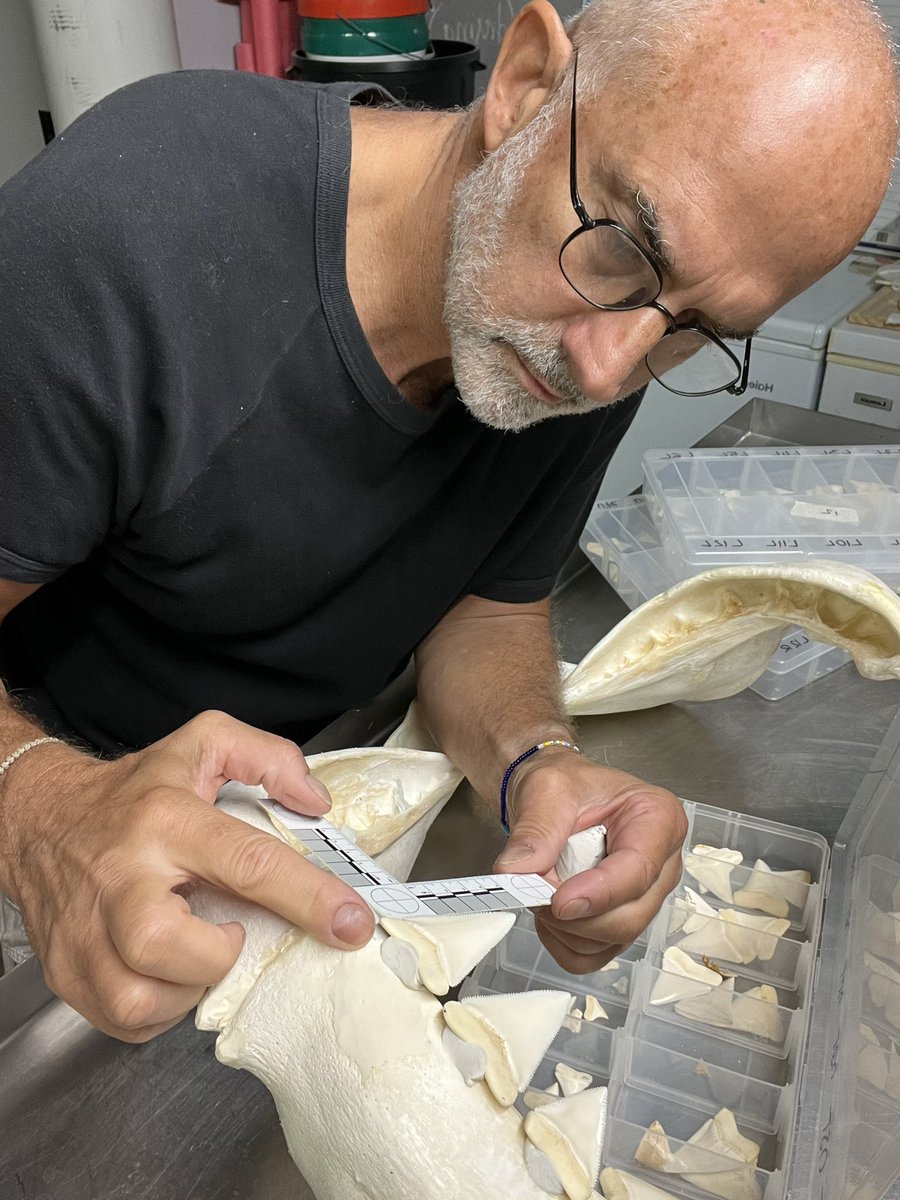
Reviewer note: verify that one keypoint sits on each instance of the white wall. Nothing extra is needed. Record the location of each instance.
(21, 89)
(207, 32)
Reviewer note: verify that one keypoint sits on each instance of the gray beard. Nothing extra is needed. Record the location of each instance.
(478, 334)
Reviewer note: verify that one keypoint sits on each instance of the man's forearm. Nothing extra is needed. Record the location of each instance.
(488, 682)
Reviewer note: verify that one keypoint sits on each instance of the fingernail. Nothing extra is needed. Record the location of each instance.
(514, 854)
(319, 788)
(575, 909)
(352, 924)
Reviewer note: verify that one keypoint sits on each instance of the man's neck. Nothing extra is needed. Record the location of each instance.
(404, 168)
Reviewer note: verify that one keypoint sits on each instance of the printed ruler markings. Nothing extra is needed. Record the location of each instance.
(390, 897)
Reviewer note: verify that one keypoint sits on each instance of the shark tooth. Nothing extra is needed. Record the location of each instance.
(571, 1081)
(774, 892)
(763, 932)
(711, 1007)
(594, 1010)
(711, 867)
(721, 1135)
(682, 977)
(570, 1133)
(756, 1011)
(537, 1098)
(449, 947)
(653, 1149)
(514, 1031)
(719, 1138)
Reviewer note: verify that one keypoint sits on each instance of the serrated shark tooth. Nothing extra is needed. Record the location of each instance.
(449, 947)
(515, 1032)
(570, 1133)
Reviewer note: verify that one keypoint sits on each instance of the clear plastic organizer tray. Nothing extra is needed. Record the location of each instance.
(664, 1053)
(755, 505)
(621, 540)
(817, 1088)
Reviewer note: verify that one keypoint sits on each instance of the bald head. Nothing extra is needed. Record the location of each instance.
(743, 145)
(792, 103)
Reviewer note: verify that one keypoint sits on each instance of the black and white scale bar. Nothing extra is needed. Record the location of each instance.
(329, 848)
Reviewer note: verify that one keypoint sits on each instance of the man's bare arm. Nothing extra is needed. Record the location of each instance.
(94, 853)
(489, 688)
(502, 660)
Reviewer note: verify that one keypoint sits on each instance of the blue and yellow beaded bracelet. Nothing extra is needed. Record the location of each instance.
(507, 775)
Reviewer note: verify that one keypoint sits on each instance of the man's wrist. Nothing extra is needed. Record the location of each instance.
(35, 786)
(32, 744)
(540, 750)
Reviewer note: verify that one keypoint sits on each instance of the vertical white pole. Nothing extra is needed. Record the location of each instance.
(89, 48)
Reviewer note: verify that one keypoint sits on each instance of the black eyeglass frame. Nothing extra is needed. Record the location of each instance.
(588, 223)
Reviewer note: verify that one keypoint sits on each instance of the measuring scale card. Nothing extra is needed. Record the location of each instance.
(388, 897)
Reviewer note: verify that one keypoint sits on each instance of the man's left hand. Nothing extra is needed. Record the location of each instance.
(596, 914)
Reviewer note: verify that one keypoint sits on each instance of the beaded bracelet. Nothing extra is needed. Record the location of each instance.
(517, 761)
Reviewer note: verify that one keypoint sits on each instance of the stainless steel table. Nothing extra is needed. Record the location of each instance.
(85, 1118)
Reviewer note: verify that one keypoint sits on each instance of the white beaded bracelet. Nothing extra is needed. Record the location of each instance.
(17, 754)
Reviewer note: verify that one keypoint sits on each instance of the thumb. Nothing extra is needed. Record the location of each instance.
(538, 836)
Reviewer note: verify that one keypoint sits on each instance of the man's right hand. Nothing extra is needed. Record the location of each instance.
(94, 854)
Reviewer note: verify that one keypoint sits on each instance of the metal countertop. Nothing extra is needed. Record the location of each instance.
(83, 1117)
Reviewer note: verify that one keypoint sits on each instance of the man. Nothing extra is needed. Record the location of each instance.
(233, 476)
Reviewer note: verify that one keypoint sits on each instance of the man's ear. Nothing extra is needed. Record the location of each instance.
(532, 56)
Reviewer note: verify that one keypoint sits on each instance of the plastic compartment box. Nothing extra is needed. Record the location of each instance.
(523, 955)
(662, 1064)
(672, 1076)
(651, 984)
(749, 1057)
(781, 848)
(632, 1110)
(621, 540)
(824, 1109)
(777, 961)
(782, 504)
(848, 1131)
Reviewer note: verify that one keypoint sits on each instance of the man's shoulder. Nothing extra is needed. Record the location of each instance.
(199, 109)
(173, 165)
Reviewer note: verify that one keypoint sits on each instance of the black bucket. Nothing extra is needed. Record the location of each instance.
(447, 80)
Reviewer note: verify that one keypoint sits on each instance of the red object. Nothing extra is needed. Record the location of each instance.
(268, 37)
(355, 10)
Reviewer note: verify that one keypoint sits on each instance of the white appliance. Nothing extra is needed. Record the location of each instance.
(862, 375)
(787, 364)
(788, 358)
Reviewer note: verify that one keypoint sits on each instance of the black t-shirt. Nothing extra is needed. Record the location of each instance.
(227, 501)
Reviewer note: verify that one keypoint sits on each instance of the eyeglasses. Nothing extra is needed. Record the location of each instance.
(611, 270)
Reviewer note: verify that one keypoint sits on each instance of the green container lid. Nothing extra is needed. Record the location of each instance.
(381, 38)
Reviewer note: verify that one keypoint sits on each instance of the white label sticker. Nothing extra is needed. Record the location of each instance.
(825, 512)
